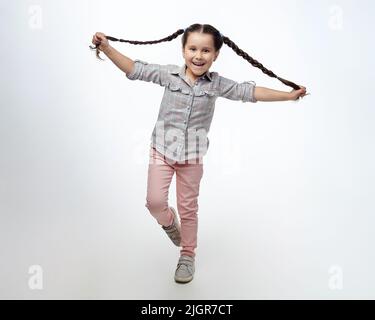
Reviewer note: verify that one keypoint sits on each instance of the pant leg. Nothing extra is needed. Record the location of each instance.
(188, 178)
(160, 175)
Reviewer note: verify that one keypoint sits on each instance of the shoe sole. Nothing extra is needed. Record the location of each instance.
(183, 280)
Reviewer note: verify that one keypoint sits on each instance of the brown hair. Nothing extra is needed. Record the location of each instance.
(218, 38)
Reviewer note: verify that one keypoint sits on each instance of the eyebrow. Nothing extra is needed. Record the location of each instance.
(193, 45)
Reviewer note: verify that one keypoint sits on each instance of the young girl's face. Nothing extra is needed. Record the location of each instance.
(199, 53)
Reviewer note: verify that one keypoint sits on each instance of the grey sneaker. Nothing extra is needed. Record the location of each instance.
(174, 230)
(185, 269)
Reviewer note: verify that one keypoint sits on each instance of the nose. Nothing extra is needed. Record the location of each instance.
(198, 56)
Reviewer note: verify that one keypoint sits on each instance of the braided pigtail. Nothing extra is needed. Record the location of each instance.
(255, 63)
(169, 38)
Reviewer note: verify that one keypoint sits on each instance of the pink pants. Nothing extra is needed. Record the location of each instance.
(188, 177)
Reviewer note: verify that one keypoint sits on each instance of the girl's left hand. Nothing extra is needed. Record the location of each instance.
(296, 94)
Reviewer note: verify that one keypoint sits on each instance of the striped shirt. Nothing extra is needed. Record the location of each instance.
(186, 110)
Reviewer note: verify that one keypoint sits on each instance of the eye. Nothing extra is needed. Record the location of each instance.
(192, 48)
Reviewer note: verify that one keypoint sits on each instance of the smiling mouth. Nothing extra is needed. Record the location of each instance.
(199, 65)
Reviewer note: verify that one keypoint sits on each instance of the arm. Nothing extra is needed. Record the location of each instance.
(134, 70)
(122, 62)
(266, 94)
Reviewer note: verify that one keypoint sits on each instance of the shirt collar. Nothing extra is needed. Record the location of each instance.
(180, 70)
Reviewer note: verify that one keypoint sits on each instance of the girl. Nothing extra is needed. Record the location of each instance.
(185, 114)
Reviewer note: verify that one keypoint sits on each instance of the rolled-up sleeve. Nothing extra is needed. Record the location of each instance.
(149, 72)
(233, 90)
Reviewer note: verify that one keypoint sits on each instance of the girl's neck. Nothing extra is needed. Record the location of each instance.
(190, 76)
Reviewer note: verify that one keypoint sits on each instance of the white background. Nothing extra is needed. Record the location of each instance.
(286, 203)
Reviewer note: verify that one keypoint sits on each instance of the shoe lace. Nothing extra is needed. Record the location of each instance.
(188, 264)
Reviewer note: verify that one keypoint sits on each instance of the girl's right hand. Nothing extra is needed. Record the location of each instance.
(100, 40)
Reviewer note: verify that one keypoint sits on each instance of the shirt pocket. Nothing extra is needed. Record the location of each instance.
(177, 99)
(205, 103)
(209, 93)
(177, 88)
